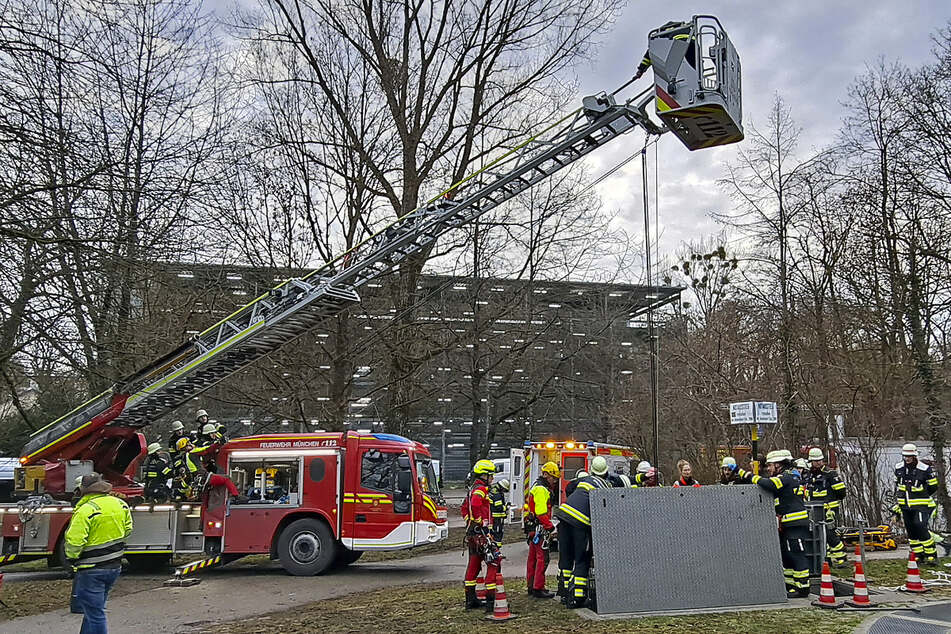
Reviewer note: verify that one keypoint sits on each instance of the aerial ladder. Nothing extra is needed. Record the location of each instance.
(696, 95)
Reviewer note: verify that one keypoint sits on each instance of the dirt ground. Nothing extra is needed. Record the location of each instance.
(35, 597)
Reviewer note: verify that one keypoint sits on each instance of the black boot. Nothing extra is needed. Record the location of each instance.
(472, 602)
(489, 601)
(542, 594)
(576, 602)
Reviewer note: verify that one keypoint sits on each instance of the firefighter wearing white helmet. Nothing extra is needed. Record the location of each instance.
(822, 484)
(207, 445)
(915, 484)
(574, 535)
(178, 431)
(646, 475)
(201, 417)
(728, 471)
(157, 471)
(500, 508)
(783, 483)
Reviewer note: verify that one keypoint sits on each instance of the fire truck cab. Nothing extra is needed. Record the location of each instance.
(570, 456)
(314, 501)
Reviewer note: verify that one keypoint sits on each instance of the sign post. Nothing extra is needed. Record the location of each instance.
(754, 413)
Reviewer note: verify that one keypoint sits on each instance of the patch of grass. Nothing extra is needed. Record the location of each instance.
(439, 607)
(891, 572)
(26, 598)
(27, 566)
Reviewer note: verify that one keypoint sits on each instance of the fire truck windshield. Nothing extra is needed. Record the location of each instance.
(427, 476)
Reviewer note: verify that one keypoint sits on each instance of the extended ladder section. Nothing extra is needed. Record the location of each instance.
(296, 306)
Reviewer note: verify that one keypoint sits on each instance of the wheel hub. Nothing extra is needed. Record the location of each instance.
(305, 547)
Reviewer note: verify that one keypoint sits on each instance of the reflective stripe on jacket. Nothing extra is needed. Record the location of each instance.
(577, 508)
(786, 489)
(97, 530)
(915, 484)
(826, 486)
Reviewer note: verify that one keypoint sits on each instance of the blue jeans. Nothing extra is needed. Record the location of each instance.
(92, 589)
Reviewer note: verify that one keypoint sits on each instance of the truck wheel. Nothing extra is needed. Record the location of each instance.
(346, 557)
(148, 563)
(58, 558)
(306, 547)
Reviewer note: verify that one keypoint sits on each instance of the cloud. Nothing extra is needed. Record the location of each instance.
(809, 52)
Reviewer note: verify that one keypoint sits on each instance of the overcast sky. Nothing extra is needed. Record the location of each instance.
(808, 51)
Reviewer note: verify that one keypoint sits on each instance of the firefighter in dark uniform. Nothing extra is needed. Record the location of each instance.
(783, 483)
(500, 508)
(157, 471)
(728, 471)
(674, 31)
(574, 535)
(915, 483)
(178, 431)
(823, 484)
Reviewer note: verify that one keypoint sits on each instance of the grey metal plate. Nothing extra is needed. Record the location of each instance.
(896, 625)
(682, 548)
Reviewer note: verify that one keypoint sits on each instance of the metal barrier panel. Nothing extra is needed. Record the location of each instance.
(685, 548)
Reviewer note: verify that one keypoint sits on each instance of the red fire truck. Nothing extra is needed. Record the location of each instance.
(315, 501)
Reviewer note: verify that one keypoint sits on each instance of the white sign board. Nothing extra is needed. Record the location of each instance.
(766, 413)
(754, 413)
(742, 413)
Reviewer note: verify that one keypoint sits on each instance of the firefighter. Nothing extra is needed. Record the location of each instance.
(178, 431)
(570, 487)
(500, 508)
(478, 516)
(649, 478)
(782, 481)
(207, 445)
(727, 471)
(157, 471)
(93, 543)
(222, 433)
(538, 502)
(574, 535)
(674, 31)
(185, 469)
(915, 483)
(201, 418)
(823, 484)
(686, 478)
(641, 474)
(803, 468)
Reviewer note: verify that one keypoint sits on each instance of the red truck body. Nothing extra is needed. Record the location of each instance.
(315, 500)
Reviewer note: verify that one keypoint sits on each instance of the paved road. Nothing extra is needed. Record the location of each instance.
(233, 593)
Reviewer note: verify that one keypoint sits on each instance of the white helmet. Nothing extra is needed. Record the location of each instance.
(200, 413)
(643, 466)
(154, 447)
(503, 484)
(209, 428)
(909, 449)
(78, 482)
(778, 455)
(801, 463)
(599, 466)
(815, 454)
(177, 426)
(729, 461)
(581, 474)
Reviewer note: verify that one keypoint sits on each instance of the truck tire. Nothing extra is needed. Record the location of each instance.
(306, 547)
(58, 558)
(346, 557)
(148, 563)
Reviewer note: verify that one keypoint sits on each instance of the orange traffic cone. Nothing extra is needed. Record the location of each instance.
(860, 588)
(501, 610)
(913, 580)
(480, 588)
(826, 590)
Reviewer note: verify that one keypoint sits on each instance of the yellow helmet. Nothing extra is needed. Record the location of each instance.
(551, 469)
(484, 467)
(181, 443)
